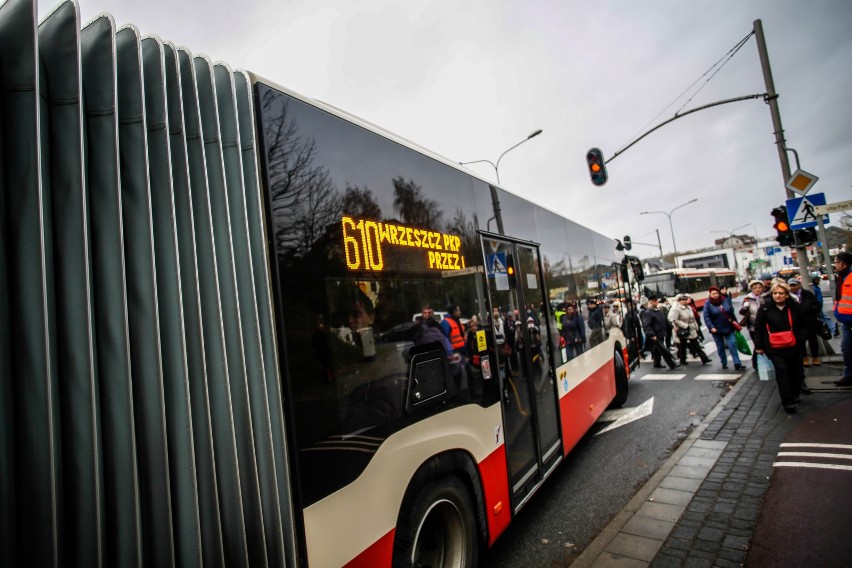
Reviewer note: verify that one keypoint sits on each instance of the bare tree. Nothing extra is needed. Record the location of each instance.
(304, 199)
(413, 208)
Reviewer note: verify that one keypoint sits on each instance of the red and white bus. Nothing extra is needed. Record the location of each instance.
(692, 281)
(209, 357)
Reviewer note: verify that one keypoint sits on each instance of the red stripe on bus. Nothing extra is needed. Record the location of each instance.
(585, 403)
(380, 553)
(494, 471)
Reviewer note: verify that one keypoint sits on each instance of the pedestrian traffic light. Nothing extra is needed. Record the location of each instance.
(806, 236)
(597, 166)
(782, 226)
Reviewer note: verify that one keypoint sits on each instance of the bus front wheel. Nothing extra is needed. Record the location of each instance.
(439, 530)
(621, 386)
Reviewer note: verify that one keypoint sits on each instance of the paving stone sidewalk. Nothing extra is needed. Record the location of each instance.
(702, 507)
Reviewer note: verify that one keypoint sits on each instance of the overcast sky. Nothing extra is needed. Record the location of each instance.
(469, 79)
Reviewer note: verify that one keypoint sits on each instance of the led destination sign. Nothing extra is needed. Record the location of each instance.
(363, 242)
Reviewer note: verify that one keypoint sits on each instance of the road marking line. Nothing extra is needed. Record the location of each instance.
(814, 455)
(641, 411)
(717, 377)
(816, 445)
(813, 465)
(661, 377)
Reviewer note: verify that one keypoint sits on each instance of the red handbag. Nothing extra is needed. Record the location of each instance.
(782, 339)
(734, 323)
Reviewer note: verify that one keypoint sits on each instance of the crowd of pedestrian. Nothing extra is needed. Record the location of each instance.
(784, 319)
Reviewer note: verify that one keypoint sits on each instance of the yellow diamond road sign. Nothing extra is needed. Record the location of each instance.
(801, 181)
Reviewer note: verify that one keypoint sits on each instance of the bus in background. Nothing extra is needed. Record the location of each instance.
(210, 357)
(692, 281)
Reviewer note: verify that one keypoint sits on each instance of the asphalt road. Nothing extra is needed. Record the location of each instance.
(604, 471)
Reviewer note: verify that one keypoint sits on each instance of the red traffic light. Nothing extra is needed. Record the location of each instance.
(597, 166)
(782, 226)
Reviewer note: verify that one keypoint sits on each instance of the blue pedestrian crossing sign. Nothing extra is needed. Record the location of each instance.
(800, 211)
(495, 263)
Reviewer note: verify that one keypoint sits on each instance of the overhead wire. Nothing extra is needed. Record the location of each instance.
(717, 66)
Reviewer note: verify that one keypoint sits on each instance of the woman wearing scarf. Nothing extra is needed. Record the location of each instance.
(751, 303)
(719, 318)
(778, 332)
(686, 330)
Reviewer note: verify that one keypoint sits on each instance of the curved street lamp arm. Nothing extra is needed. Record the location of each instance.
(683, 205)
(497, 167)
(681, 115)
(493, 165)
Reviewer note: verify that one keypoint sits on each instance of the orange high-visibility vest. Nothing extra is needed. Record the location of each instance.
(843, 306)
(456, 333)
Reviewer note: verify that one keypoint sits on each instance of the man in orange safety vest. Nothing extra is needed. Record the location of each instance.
(843, 312)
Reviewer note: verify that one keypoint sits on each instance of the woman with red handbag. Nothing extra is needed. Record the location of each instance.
(778, 333)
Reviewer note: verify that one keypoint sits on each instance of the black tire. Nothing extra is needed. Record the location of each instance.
(439, 529)
(621, 386)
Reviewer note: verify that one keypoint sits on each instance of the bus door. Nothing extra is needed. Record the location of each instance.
(531, 423)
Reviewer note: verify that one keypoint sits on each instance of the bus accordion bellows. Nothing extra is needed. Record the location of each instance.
(207, 354)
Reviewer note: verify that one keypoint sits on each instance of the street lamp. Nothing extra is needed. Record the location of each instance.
(730, 239)
(731, 232)
(669, 215)
(497, 165)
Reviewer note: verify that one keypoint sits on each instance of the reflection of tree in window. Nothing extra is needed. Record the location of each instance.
(304, 199)
(360, 204)
(466, 231)
(413, 208)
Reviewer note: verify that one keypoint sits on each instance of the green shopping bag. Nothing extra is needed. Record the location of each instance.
(742, 344)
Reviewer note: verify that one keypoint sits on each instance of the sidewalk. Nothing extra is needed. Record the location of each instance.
(703, 506)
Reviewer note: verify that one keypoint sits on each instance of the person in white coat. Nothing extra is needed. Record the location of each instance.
(685, 327)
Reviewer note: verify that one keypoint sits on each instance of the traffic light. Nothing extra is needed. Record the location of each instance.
(628, 244)
(597, 166)
(806, 236)
(782, 226)
(510, 270)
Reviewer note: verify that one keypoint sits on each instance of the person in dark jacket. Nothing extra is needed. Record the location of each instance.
(719, 317)
(655, 326)
(811, 310)
(596, 323)
(779, 315)
(573, 332)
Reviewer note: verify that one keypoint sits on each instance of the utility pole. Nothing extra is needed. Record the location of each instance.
(772, 99)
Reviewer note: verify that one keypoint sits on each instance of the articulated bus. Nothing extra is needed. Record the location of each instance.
(692, 281)
(207, 353)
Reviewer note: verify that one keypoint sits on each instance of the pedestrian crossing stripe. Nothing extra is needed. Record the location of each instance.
(661, 377)
(702, 377)
(813, 465)
(718, 377)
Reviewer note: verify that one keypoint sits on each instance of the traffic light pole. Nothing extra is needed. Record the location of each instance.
(772, 99)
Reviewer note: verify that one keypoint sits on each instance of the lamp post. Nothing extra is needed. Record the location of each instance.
(730, 238)
(669, 215)
(495, 200)
(497, 165)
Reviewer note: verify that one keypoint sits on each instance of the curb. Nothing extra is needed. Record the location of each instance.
(591, 554)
